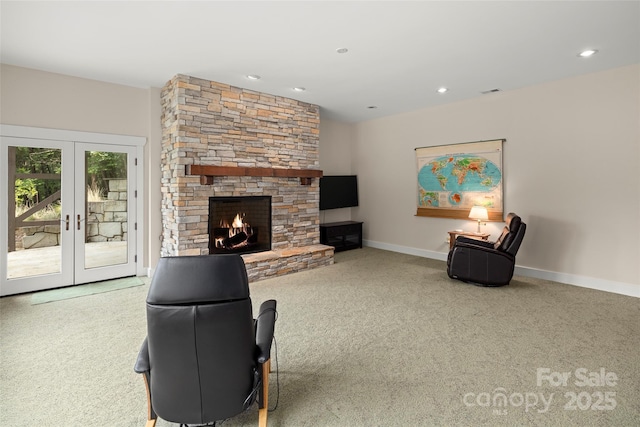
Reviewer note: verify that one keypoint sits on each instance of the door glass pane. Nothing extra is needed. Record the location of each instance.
(106, 212)
(34, 206)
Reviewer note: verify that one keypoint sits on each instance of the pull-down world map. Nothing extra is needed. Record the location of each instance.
(460, 180)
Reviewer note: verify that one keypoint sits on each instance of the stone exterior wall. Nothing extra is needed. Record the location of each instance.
(106, 222)
(209, 123)
(37, 236)
(107, 219)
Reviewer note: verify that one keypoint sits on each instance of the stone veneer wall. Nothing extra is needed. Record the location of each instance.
(209, 123)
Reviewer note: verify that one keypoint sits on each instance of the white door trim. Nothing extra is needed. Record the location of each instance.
(70, 135)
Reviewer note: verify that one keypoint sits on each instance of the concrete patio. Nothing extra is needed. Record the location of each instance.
(40, 261)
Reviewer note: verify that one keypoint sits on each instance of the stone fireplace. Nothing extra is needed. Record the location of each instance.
(221, 141)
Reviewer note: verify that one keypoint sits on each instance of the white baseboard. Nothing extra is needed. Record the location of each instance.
(621, 288)
(405, 250)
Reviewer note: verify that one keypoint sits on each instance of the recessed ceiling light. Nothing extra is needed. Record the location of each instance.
(587, 53)
(299, 89)
(253, 77)
(342, 50)
(372, 107)
(442, 90)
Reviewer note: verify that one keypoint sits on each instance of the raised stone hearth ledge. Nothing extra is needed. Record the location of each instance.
(263, 265)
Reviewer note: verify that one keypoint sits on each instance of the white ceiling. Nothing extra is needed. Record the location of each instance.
(399, 54)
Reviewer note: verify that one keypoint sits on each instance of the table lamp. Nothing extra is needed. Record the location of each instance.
(480, 213)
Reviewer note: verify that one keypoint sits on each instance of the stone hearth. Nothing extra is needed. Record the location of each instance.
(212, 124)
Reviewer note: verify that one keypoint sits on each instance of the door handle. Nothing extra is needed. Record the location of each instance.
(78, 221)
(66, 223)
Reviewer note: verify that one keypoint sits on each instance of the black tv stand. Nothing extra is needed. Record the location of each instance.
(342, 235)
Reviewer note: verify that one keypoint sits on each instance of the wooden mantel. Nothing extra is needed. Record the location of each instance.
(207, 173)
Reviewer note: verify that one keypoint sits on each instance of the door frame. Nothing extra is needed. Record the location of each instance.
(62, 136)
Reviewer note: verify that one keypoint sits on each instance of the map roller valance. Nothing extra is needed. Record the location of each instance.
(454, 178)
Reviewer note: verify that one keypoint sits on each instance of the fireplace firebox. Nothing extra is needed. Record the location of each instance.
(239, 224)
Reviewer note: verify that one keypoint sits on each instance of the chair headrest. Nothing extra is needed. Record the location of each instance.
(198, 279)
(512, 224)
(513, 221)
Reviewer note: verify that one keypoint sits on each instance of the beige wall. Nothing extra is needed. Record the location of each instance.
(336, 145)
(40, 99)
(571, 161)
(153, 174)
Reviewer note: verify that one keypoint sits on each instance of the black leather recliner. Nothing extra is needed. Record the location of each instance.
(205, 358)
(487, 263)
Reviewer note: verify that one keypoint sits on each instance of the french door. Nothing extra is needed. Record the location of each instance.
(71, 213)
(105, 215)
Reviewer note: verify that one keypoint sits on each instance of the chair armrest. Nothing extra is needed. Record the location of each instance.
(265, 324)
(142, 363)
(488, 249)
(476, 242)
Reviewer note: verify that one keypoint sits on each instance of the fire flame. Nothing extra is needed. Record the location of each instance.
(237, 222)
(237, 226)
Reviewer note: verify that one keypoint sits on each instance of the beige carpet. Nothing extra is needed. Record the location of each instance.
(378, 339)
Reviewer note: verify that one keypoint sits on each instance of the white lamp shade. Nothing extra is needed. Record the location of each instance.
(479, 212)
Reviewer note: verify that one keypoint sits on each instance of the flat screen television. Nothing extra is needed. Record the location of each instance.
(338, 191)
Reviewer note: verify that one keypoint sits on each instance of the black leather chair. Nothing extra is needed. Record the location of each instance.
(487, 263)
(205, 358)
